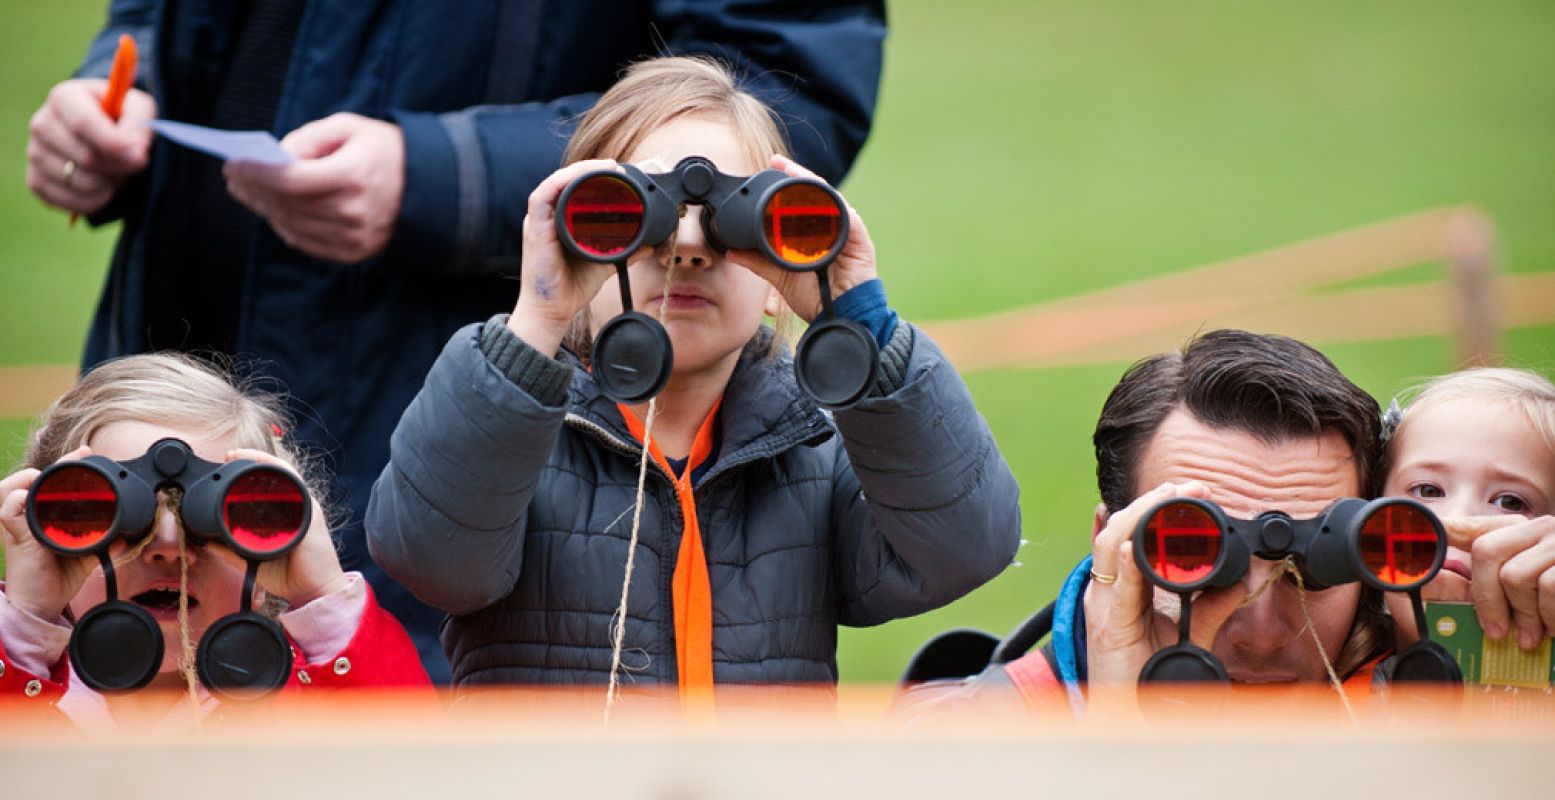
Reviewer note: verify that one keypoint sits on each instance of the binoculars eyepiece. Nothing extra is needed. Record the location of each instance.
(261, 512)
(798, 223)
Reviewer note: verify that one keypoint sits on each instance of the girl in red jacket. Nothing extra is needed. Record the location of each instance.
(338, 634)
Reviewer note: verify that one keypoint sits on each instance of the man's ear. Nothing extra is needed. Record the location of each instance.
(1099, 519)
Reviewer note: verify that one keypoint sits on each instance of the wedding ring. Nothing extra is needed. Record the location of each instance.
(1105, 580)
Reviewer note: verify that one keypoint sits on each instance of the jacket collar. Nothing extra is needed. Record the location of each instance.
(764, 412)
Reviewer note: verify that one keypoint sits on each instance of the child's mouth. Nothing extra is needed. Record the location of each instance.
(162, 602)
(683, 300)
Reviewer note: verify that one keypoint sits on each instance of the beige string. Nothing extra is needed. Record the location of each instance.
(1287, 565)
(618, 621)
(173, 500)
(186, 650)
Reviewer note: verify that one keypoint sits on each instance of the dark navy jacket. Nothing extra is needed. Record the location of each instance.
(484, 91)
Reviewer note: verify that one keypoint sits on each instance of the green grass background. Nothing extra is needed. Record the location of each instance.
(1031, 149)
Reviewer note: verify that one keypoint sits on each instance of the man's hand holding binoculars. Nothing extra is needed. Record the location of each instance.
(1123, 626)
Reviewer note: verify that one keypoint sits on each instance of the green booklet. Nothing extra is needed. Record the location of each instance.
(1487, 661)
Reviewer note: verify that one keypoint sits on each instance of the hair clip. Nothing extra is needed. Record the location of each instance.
(1391, 419)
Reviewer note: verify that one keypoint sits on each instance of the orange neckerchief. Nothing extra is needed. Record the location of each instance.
(691, 589)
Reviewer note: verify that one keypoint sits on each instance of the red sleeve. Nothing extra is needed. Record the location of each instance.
(1033, 678)
(380, 655)
(16, 682)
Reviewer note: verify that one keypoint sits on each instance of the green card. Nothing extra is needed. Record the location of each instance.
(1486, 661)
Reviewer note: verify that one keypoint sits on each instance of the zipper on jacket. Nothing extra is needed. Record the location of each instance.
(615, 443)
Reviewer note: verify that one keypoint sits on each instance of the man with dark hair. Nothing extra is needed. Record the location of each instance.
(1253, 423)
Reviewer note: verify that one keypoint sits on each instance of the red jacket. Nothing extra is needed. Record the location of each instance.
(379, 655)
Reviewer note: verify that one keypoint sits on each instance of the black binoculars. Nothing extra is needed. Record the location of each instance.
(1391, 544)
(261, 512)
(798, 223)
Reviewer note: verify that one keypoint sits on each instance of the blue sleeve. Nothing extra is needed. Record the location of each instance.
(468, 174)
(866, 305)
(137, 18)
(134, 17)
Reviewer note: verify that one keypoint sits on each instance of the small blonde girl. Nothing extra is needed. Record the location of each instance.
(1478, 447)
(118, 410)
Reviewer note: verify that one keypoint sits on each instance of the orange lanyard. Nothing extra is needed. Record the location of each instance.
(691, 589)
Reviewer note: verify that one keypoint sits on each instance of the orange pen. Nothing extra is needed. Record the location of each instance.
(120, 78)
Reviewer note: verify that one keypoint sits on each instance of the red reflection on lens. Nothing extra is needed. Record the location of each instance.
(1181, 543)
(603, 215)
(75, 507)
(1398, 544)
(802, 223)
(263, 510)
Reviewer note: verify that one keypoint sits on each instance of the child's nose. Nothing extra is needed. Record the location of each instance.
(691, 246)
(165, 533)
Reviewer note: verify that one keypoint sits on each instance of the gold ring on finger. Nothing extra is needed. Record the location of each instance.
(1105, 580)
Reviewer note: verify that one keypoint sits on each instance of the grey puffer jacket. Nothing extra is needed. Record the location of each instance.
(508, 495)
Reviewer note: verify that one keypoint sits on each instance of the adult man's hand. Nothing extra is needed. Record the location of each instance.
(1123, 625)
(76, 156)
(339, 199)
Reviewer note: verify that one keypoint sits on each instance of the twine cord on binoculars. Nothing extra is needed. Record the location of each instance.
(186, 662)
(1284, 566)
(186, 643)
(618, 622)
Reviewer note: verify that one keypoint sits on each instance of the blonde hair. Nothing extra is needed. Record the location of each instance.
(1521, 391)
(163, 389)
(652, 94)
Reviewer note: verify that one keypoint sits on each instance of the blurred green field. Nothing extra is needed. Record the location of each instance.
(1026, 150)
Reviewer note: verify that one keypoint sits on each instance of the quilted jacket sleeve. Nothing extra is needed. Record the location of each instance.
(926, 509)
(447, 515)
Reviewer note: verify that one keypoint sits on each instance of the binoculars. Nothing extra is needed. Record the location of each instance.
(1392, 544)
(798, 223)
(261, 512)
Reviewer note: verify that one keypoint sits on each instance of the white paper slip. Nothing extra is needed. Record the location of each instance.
(256, 146)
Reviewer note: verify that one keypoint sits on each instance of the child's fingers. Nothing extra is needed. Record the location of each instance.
(1489, 553)
(14, 490)
(791, 167)
(1462, 531)
(542, 201)
(1520, 580)
(19, 480)
(269, 459)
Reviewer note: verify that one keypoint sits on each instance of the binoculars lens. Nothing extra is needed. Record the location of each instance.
(1398, 545)
(603, 215)
(75, 507)
(264, 509)
(802, 223)
(1182, 543)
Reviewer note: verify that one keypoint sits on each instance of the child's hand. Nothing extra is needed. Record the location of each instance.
(553, 288)
(311, 570)
(854, 265)
(1513, 566)
(38, 580)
